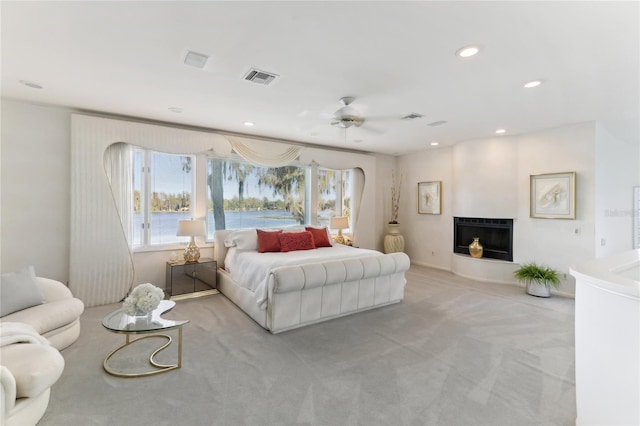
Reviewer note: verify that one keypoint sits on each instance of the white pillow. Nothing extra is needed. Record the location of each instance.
(19, 291)
(242, 239)
(294, 228)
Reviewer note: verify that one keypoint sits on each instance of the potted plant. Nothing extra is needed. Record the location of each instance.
(538, 279)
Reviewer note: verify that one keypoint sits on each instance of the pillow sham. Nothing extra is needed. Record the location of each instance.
(242, 239)
(268, 241)
(320, 236)
(292, 241)
(19, 291)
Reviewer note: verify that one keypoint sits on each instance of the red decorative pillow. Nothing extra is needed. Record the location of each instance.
(320, 237)
(290, 241)
(268, 240)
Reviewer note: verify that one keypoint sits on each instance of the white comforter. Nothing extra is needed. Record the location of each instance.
(251, 269)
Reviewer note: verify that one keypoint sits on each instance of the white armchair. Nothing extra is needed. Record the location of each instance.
(57, 319)
(29, 368)
(41, 317)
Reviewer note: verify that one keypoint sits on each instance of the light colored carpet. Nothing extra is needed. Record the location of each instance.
(455, 352)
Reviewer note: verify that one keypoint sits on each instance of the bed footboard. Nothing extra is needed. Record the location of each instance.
(305, 294)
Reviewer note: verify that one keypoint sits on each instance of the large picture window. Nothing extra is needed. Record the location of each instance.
(163, 194)
(238, 195)
(242, 195)
(334, 195)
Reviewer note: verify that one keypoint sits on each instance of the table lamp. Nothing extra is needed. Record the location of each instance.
(191, 228)
(339, 223)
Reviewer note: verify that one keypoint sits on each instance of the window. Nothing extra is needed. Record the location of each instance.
(334, 195)
(242, 195)
(163, 188)
(231, 194)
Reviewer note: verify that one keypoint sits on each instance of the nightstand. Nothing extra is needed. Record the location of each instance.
(191, 279)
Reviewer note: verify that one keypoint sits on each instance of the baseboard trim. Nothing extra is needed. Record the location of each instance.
(194, 295)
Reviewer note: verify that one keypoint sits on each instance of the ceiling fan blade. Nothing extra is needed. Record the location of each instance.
(372, 129)
(384, 118)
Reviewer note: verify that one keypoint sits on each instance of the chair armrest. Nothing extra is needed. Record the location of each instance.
(53, 290)
(7, 393)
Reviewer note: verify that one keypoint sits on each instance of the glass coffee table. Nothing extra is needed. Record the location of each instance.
(120, 322)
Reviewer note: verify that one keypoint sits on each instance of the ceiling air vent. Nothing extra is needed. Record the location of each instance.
(412, 116)
(260, 77)
(437, 123)
(194, 59)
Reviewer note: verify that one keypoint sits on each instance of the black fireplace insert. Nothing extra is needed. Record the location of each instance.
(496, 236)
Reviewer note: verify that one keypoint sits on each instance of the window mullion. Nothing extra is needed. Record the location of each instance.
(147, 197)
(338, 189)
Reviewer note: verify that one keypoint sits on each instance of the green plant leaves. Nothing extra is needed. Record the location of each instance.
(538, 273)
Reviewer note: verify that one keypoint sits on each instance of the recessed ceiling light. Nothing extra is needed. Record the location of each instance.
(467, 51)
(532, 83)
(31, 84)
(248, 123)
(434, 143)
(177, 110)
(501, 131)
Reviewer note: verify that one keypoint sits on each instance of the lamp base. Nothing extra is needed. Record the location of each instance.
(192, 252)
(339, 239)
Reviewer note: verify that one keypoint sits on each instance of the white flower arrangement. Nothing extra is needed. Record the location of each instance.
(143, 299)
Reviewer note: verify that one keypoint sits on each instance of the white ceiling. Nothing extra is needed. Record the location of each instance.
(396, 58)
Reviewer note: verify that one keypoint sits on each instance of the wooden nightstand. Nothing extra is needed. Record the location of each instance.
(193, 279)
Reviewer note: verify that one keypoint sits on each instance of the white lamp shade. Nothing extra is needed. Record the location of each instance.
(191, 228)
(340, 222)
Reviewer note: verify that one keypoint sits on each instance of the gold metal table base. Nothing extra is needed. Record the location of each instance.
(162, 368)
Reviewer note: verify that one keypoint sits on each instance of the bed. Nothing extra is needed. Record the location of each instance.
(299, 288)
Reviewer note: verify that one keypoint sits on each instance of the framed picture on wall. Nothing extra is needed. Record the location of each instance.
(553, 196)
(429, 197)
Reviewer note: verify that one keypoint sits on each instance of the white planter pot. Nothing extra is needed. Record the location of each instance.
(534, 288)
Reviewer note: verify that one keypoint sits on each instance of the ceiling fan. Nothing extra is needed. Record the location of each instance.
(347, 116)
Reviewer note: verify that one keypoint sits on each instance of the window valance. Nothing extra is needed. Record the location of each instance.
(265, 153)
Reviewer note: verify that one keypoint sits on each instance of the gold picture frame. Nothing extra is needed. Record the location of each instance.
(553, 195)
(430, 197)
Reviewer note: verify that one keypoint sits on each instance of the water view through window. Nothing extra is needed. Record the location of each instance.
(242, 195)
(239, 195)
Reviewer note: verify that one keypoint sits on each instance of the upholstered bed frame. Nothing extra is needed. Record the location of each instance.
(314, 292)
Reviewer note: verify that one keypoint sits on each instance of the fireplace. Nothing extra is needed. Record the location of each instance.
(496, 236)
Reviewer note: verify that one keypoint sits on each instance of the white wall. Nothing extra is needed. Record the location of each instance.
(555, 242)
(35, 189)
(617, 172)
(490, 178)
(484, 169)
(428, 238)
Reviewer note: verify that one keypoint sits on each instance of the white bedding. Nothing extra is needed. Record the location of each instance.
(250, 269)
